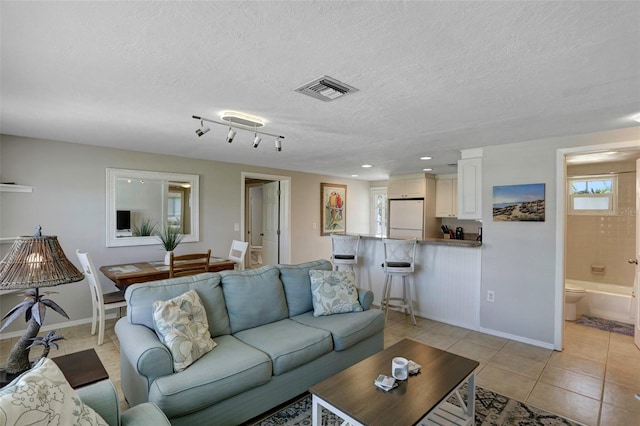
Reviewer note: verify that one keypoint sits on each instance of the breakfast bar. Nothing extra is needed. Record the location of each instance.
(446, 281)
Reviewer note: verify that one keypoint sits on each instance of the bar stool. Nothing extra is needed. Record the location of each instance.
(344, 251)
(399, 260)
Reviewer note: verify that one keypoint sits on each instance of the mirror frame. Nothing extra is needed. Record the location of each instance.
(114, 174)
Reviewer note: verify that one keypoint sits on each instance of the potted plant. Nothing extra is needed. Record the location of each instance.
(145, 229)
(170, 239)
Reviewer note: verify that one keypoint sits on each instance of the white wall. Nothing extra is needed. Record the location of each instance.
(519, 258)
(68, 200)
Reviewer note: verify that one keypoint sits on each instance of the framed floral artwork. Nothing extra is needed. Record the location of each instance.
(333, 208)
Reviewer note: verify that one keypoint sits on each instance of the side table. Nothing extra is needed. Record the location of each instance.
(81, 368)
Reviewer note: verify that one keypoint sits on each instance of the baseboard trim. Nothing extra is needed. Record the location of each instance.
(57, 326)
(520, 339)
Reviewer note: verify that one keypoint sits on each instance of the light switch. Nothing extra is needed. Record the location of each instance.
(236, 226)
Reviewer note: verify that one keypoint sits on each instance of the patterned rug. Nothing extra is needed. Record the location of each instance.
(492, 409)
(607, 325)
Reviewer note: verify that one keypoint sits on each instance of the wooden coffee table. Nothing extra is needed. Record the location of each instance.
(421, 399)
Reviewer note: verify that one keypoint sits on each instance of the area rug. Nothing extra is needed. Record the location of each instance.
(607, 325)
(492, 409)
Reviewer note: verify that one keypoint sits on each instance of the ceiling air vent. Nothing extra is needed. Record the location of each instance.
(326, 89)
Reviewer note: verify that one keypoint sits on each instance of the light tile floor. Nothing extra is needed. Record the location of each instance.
(593, 381)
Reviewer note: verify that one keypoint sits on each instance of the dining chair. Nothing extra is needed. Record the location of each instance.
(237, 253)
(101, 301)
(189, 264)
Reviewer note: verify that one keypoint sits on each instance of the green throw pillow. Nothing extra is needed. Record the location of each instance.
(333, 292)
(42, 396)
(181, 324)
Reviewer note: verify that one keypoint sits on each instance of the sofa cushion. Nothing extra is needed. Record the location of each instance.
(42, 395)
(181, 324)
(346, 329)
(334, 292)
(297, 284)
(288, 343)
(140, 298)
(254, 297)
(233, 367)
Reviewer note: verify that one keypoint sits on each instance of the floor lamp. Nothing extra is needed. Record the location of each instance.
(32, 263)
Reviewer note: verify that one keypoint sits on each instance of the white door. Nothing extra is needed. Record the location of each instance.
(637, 280)
(270, 223)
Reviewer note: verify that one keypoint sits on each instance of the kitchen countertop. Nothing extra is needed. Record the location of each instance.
(437, 241)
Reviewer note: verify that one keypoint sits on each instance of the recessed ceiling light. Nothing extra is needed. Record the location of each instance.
(366, 166)
(636, 118)
(354, 175)
(425, 158)
(426, 170)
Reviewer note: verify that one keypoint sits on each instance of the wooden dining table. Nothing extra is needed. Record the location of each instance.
(126, 274)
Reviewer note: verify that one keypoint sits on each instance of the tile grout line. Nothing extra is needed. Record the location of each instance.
(604, 379)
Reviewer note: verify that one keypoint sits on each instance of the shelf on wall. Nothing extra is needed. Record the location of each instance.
(9, 187)
(7, 240)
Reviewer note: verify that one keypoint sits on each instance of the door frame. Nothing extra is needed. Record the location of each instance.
(285, 210)
(561, 217)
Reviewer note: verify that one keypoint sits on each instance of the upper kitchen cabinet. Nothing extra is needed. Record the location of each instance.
(470, 184)
(446, 196)
(406, 188)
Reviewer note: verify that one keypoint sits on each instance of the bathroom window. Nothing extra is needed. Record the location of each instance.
(592, 195)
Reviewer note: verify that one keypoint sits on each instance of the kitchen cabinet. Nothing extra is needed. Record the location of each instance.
(447, 197)
(470, 188)
(406, 188)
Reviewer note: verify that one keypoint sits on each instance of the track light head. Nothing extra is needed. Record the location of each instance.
(256, 141)
(231, 135)
(278, 144)
(202, 130)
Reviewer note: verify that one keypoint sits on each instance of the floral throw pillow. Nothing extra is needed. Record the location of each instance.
(334, 292)
(42, 396)
(181, 324)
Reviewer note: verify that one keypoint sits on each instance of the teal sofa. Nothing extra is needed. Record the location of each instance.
(270, 347)
(103, 398)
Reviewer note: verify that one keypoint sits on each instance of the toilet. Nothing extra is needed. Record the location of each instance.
(572, 295)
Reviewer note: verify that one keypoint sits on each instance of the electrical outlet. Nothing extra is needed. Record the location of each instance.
(491, 296)
(314, 226)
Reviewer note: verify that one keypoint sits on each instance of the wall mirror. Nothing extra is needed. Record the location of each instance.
(141, 203)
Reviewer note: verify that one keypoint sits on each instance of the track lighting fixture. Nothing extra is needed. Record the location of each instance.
(231, 135)
(242, 122)
(202, 130)
(256, 141)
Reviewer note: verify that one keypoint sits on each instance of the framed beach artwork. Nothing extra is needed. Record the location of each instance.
(518, 203)
(333, 208)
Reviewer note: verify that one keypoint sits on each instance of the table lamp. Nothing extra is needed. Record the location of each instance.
(32, 263)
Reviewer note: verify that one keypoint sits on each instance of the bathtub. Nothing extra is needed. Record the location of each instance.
(608, 301)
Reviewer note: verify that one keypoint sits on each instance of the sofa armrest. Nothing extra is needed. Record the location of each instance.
(103, 398)
(143, 350)
(147, 413)
(365, 297)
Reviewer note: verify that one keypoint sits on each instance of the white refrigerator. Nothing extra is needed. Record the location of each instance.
(406, 219)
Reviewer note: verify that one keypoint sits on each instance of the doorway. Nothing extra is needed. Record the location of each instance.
(265, 218)
(596, 157)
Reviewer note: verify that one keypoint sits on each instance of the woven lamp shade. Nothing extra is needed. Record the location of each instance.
(34, 262)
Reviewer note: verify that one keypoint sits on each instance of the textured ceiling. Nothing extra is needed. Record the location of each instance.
(433, 77)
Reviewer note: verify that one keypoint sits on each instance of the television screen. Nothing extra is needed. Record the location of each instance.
(123, 220)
